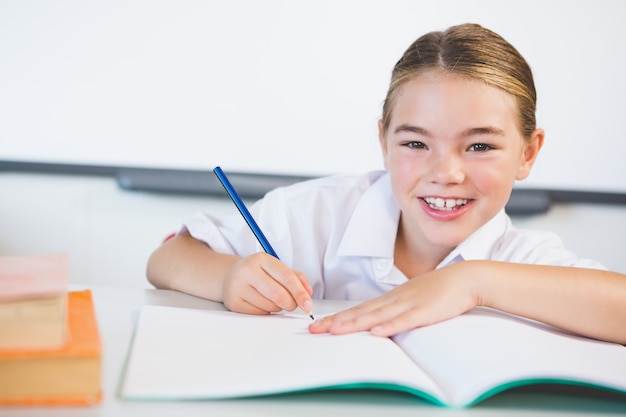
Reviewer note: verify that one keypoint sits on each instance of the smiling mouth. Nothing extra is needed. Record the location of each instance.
(445, 204)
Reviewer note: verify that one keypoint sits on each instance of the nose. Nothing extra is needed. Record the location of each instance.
(447, 169)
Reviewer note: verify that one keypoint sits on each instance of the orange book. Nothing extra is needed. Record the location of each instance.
(70, 375)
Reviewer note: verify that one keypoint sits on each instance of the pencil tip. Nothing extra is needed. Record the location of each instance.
(311, 315)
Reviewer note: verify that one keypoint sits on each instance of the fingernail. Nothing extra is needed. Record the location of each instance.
(307, 306)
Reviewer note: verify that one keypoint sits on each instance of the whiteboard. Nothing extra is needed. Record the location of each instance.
(286, 87)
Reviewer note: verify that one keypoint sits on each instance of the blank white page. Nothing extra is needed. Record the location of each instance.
(485, 349)
(197, 354)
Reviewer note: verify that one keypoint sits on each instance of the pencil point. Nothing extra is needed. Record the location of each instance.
(311, 315)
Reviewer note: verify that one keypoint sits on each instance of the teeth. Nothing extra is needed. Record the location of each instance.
(445, 204)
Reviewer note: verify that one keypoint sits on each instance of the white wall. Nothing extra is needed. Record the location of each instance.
(249, 84)
(109, 233)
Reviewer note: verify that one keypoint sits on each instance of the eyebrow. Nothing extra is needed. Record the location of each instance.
(486, 130)
(412, 129)
(483, 130)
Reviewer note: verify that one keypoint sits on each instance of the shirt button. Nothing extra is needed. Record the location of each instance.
(382, 264)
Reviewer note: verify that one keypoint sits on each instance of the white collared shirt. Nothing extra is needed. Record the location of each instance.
(340, 231)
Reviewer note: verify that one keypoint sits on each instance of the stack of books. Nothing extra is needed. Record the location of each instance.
(50, 347)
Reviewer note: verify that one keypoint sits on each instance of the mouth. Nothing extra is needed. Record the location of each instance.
(445, 204)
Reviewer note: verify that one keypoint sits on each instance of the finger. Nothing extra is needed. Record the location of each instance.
(274, 292)
(261, 306)
(269, 303)
(366, 319)
(250, 301)
(407, 320)
(414, 317)
(305, 282)
(252, 307)
(347, 320)
(295, 284)
(320, 326)
(306, 304)
(324, 324)
(246, 307)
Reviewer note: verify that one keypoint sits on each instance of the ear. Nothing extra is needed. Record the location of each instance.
(382, 140)
(529, 155)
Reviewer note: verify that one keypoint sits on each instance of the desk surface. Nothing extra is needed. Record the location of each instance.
(117, 309)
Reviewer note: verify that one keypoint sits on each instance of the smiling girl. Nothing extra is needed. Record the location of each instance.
(428, 238)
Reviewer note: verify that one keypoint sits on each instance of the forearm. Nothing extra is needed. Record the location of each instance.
(189, 265)
(584, 301)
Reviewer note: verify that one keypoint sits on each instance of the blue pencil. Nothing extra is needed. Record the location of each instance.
(244, 211)
(234, 195)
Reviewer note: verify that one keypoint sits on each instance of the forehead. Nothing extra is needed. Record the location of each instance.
(435, 97)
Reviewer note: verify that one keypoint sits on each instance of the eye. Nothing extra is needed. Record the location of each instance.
(415, 145)
(480, 147)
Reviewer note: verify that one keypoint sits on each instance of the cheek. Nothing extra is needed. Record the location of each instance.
(406, 175)
(497, 179)
(403, 169)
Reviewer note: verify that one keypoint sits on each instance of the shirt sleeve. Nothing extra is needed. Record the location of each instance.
(541, 248)
(232, 235)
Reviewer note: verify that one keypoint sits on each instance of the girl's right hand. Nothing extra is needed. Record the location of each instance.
(261, 284)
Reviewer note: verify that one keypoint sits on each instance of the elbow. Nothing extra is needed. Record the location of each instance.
(154, 270)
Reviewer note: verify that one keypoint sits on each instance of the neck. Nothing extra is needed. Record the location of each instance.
(412, 256)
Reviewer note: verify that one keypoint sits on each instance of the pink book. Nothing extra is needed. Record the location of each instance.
(29, 277)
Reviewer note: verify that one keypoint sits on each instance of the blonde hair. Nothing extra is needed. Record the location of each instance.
(473, 51)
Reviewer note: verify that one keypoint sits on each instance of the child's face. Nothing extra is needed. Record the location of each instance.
(454, 150)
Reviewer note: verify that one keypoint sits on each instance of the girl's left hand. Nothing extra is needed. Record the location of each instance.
(423, 300)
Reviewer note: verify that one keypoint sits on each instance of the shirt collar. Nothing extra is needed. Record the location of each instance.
(373, 225)
(479, 244)
(378, 213)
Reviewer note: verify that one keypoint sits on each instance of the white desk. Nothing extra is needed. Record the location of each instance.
(116, 309)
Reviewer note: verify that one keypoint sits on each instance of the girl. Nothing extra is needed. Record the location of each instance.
(425, 240)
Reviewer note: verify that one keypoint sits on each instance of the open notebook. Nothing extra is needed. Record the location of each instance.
(181, 354)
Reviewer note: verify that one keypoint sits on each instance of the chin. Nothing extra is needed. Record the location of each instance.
(447, 243)
(447, 237)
